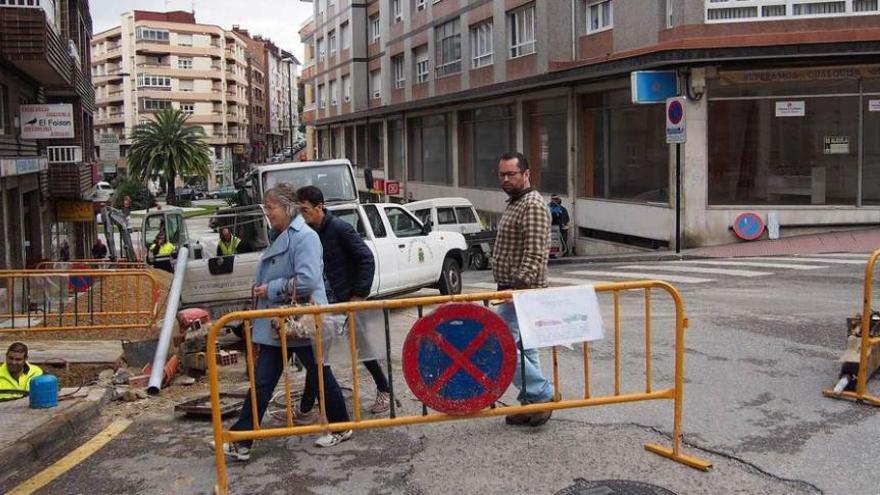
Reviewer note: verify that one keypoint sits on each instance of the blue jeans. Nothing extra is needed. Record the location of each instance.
(269, 366)
(535, 388)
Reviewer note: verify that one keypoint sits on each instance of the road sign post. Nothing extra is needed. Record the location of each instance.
(459, 359)
(676, 133)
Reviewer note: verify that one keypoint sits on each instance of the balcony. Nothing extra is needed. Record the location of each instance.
(31, 43)
(64, 154)
(69, 177)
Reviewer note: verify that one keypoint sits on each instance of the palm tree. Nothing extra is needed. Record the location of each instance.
(170, 148)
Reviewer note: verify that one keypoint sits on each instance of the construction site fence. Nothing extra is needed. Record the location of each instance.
(90, 264)
(868, 342)
(646, 392)
(66, 300)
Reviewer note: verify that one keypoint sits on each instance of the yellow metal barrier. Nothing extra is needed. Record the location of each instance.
(867, 342)
(90, 264)
(675, 394)
(60, 300)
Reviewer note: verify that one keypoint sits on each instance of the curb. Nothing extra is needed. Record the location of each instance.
(635, 258)
(47, 440)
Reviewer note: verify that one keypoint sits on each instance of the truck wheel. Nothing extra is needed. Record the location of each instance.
(450, 277)
(479, 259)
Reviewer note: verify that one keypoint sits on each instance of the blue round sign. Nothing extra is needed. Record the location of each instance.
(748, 226)
(676, 112)
(79, 283)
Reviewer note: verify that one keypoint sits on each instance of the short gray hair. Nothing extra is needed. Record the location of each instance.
(285, 195)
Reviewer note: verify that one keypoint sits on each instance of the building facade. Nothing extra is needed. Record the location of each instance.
(783, 108)
(47, 164)
(157, 60)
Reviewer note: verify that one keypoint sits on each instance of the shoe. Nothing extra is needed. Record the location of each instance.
(234, 450)
(518, 419)
(331, 439)
(382, 403)
(306, 418)
(539, 418)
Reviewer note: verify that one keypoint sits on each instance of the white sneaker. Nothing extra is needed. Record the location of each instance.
(331, 439)
(235, 450)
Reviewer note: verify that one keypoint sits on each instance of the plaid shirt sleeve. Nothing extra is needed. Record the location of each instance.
(535, 242)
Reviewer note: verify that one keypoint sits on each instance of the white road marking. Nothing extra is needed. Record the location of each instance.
(643, 276)
(677, 267)
(756, 264)
(808, 260)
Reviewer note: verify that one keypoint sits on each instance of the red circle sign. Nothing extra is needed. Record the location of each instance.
(748, 226)
(459, 359)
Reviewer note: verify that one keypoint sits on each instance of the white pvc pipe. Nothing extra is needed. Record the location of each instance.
(171, 305)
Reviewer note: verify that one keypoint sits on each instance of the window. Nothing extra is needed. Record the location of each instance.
(546, 144)
(147, 81)
(422, 64)
(154, 105)
(322, 98)
(188, 108)
(148, 34)
(599, 16)
(396, 10)
(484, 134)
(669, 18)
(346, 88)
(185, 85)
(522, 32)
(4, 110)
(465, 214)
(376, 84)
(445, 216)
(447, 41)
(375, 32)
(321, 48)
(184, 63)
(185, 40)
(429, 150)
(395, 149)
(481, 45)
(334, 92)
(331, 42)
(345, 34)
(403, 224)
(397, 66)
(424, 215)
(375, 220)
(352, 218)
(418, 4)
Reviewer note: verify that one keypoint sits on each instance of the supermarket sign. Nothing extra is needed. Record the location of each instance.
(47, 121)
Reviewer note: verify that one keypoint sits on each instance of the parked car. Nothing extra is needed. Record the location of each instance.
(224, 192)
(102, 192)
(457, 215)
(185, 193)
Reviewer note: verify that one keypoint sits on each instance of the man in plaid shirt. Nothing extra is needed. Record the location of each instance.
(520, 262)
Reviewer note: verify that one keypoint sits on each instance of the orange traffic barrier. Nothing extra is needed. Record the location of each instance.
(90, 264)
(675, 393)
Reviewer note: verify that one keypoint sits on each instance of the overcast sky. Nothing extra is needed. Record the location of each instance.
(278, 20)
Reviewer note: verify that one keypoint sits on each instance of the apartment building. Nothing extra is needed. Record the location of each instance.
(46, 130)
(783, 108)
(157, 60)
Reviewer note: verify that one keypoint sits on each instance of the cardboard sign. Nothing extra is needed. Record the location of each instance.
(560, 316)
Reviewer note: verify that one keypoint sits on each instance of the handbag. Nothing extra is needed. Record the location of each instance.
(297, 327)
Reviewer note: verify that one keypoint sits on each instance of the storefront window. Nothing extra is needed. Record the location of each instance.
(546, 144)
(773, 149)
(484, 135)
(624, 155)
(871, 153)
(395, 149)
(429, 155)
(377, 146)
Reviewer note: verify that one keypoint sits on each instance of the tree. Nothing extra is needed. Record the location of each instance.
(169, 148)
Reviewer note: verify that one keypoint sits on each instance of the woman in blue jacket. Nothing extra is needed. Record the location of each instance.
(294, 257)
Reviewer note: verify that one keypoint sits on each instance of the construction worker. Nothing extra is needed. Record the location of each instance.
(160, 252)
(228, 244)
(16, 373)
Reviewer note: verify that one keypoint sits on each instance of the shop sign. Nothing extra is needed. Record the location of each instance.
(47, 121)
(799, 75)
(874, 105)
(836, 145)
(653, 86)
(74, 211)
(19, 166)
(791, 108)
(109, 144)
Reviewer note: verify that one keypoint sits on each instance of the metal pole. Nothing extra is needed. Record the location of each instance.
(677, 198)
(171, 305)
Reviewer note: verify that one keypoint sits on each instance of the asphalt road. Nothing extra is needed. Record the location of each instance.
(762, 344)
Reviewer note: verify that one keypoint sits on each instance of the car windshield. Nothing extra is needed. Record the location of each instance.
(334, 181)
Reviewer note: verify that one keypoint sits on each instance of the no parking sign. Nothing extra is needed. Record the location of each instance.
(79, 283)
(459, 359)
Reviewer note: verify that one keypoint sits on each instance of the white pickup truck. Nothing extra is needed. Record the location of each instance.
(408, 255)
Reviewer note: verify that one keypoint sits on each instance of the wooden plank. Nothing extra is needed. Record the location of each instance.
(71, 351)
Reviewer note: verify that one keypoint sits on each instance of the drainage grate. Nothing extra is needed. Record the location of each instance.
(613, 487)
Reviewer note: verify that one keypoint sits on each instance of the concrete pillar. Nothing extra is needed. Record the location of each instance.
(695, 168)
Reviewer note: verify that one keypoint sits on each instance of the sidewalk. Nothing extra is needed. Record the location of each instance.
(850, 241)
(30, 435)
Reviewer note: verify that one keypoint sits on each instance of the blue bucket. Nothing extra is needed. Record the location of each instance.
(44, 391)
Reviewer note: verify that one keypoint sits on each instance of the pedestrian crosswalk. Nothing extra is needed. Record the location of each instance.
(698, 271)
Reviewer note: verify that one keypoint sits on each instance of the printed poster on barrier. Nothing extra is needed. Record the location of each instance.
(561, 316)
